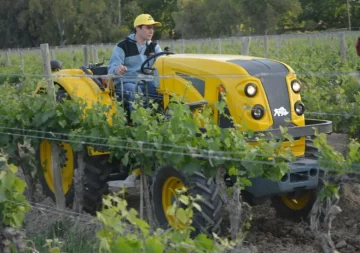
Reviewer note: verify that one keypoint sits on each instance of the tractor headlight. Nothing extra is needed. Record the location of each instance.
(257, 112)
(296, 86)
(250, 89)
(299, 108)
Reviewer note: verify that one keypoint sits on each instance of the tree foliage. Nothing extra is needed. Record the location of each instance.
(29, 23)
(330, 14)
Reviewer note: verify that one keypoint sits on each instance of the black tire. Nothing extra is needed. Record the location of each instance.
(206, 221)
(285, 212)
(62, 94)
(96, 172)
(310, 150)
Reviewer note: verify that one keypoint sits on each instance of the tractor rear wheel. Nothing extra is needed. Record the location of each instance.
(167, 180)
(96, 172)
(67, 167)
(68, 162)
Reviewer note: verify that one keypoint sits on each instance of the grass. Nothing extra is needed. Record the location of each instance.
(72, 239)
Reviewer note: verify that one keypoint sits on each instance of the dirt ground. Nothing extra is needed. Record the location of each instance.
(267, 233)
(271, 234)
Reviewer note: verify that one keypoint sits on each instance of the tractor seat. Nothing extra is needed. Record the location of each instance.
(100, 70)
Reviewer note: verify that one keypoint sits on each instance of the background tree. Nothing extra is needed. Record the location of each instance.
(330, 14)
(14, 24)
(51, 21)
(223, 17)
(160, 10)
(190, 19)
(27, 23)
(268, 15)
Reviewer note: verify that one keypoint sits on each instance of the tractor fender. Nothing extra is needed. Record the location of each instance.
(78, 85)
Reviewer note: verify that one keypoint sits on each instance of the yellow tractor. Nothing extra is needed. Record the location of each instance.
(271, 91)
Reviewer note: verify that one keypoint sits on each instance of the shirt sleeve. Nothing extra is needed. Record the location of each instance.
(117, 58)
(157, 48)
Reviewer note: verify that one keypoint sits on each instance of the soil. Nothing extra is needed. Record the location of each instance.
(271, 234)
(267, 233)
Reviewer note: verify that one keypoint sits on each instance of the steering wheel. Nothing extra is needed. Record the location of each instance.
(83, 68)
(143, 68)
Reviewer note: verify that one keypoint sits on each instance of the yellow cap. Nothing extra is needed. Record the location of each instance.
(145, 19)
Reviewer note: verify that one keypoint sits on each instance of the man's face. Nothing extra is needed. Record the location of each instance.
(145, 32)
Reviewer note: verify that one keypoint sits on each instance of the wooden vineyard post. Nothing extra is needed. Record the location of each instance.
(52, 53)
(7, 54)
(342, 47)
(219, 46)
(86, 56)
(56, 172)
(245, 45)
(78, 183)
(96, 56)
(266, 46)
(22, 62)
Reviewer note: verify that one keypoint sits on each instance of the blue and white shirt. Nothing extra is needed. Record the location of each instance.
(130, 53)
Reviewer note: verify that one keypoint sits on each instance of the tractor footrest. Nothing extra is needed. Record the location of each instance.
(129, 182)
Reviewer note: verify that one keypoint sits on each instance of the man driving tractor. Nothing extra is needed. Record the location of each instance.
(128, 56)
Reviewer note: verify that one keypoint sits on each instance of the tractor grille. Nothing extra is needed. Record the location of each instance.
(272, 75)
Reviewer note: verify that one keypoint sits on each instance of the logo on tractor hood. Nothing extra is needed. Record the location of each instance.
(280, 112)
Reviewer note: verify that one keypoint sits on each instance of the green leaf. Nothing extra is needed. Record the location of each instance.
(2, 194)
(191, 167)
(122, 245)
(245, 182)
(143, 225)
(19, 185)
(171, 210)
(10, 180)
(13, 168)
(233, 171)
(17, 219)
(46, 115)
(181, 215)
(197, 206)
(125, 159)
(227, 142)
(154, 245)
(55, 250)
(62, 123)
(203, 242)
(184, 199)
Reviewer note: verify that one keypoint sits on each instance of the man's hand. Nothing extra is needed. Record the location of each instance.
(121, 70)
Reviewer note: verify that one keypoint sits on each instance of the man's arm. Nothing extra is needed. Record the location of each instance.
(116, 60)
(157, 49)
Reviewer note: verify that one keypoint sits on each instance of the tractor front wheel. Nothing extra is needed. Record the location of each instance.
(294, 207)
(165, 183)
